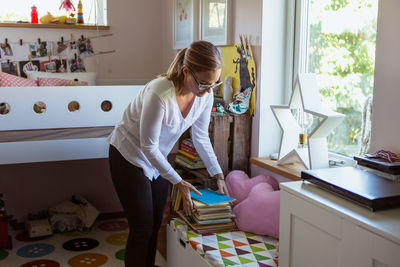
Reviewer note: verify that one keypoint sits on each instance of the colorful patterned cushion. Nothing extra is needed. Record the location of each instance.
(57, 82)
(8, 80)
(52, 82)
(258, 209)
(233, 248)
(89, 77)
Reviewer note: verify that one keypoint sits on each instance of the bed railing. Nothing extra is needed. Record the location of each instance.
(59, 123)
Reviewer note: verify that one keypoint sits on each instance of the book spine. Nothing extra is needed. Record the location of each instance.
(177, 202)
(189, 143)
(188, 148)
(190, 155)
(186, 163)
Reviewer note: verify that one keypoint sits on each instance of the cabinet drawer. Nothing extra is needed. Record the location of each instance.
(384, 252)
(309, 235)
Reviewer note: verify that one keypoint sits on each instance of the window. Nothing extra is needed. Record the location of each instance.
(94, 11)
(337, 42)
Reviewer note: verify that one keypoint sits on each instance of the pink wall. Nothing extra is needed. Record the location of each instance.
(137, 38)
(142, 35)
(137, 27)
(247, 17)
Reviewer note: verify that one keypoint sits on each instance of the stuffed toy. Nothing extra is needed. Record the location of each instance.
(49, 18)
(257, 203)
(75, 82)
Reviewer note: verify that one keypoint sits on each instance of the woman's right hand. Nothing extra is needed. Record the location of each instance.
(184, 189)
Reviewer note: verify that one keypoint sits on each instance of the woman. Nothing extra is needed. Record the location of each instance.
(151, 125)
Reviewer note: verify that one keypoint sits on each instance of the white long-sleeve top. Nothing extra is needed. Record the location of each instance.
(152, 124)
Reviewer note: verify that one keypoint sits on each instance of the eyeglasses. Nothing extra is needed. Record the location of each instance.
(203, 87)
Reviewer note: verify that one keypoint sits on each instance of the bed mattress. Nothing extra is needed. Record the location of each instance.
(55, 134)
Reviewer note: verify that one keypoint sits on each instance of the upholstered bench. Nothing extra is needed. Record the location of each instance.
(234, 248)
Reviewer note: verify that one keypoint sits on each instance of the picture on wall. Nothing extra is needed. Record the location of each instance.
(9, 67)
(85, 48)
(40, 50)
(6, 51)
(240, 66)
(60, 49)
(214, 21)
(26, 66)
(61, 65)
(183, 23)
(76, 65)
(48, 66)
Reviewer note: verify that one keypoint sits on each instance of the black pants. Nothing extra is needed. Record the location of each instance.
(143, 202)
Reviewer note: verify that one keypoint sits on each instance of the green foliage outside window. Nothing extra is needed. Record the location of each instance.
(344, 64)
(12, 16)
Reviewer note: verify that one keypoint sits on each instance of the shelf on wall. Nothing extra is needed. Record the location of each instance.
(57, 26)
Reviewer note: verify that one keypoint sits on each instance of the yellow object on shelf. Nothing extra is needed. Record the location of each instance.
(49, 18)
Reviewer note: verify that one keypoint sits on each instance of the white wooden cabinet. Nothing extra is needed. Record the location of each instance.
(320, 229)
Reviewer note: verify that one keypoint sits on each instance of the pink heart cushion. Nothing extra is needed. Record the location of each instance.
(239, 184)
(259, 212)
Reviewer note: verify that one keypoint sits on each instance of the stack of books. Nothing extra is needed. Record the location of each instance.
(187, 155)
(212, 212)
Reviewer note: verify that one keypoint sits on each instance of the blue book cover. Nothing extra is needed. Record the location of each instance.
(210, 197)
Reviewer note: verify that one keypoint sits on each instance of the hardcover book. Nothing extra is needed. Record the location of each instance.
(207, 228)
(210, 197)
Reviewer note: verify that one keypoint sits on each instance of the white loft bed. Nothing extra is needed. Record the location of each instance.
(58, 134)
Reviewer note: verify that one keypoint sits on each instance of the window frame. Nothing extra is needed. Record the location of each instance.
(300, 65)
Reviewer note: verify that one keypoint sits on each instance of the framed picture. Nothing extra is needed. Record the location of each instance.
(48, 66)
(214, 21)
(183, 23)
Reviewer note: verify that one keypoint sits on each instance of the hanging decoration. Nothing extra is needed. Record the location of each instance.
(14, 55)
(67, 5)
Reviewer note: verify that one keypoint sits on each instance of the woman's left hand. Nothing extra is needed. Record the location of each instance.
(221, 184)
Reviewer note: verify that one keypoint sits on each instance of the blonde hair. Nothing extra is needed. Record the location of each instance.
(200, 56)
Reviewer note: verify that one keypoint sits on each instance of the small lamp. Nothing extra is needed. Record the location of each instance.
(305, 100)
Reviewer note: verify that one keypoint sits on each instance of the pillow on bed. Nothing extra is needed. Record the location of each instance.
(8, 80)
(89, 77)
(257, 203)
(58, 82)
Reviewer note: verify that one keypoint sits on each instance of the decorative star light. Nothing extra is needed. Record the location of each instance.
(305, 96)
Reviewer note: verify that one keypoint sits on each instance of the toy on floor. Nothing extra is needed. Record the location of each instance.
(76, 214)
(38, 224)
(257, 203)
